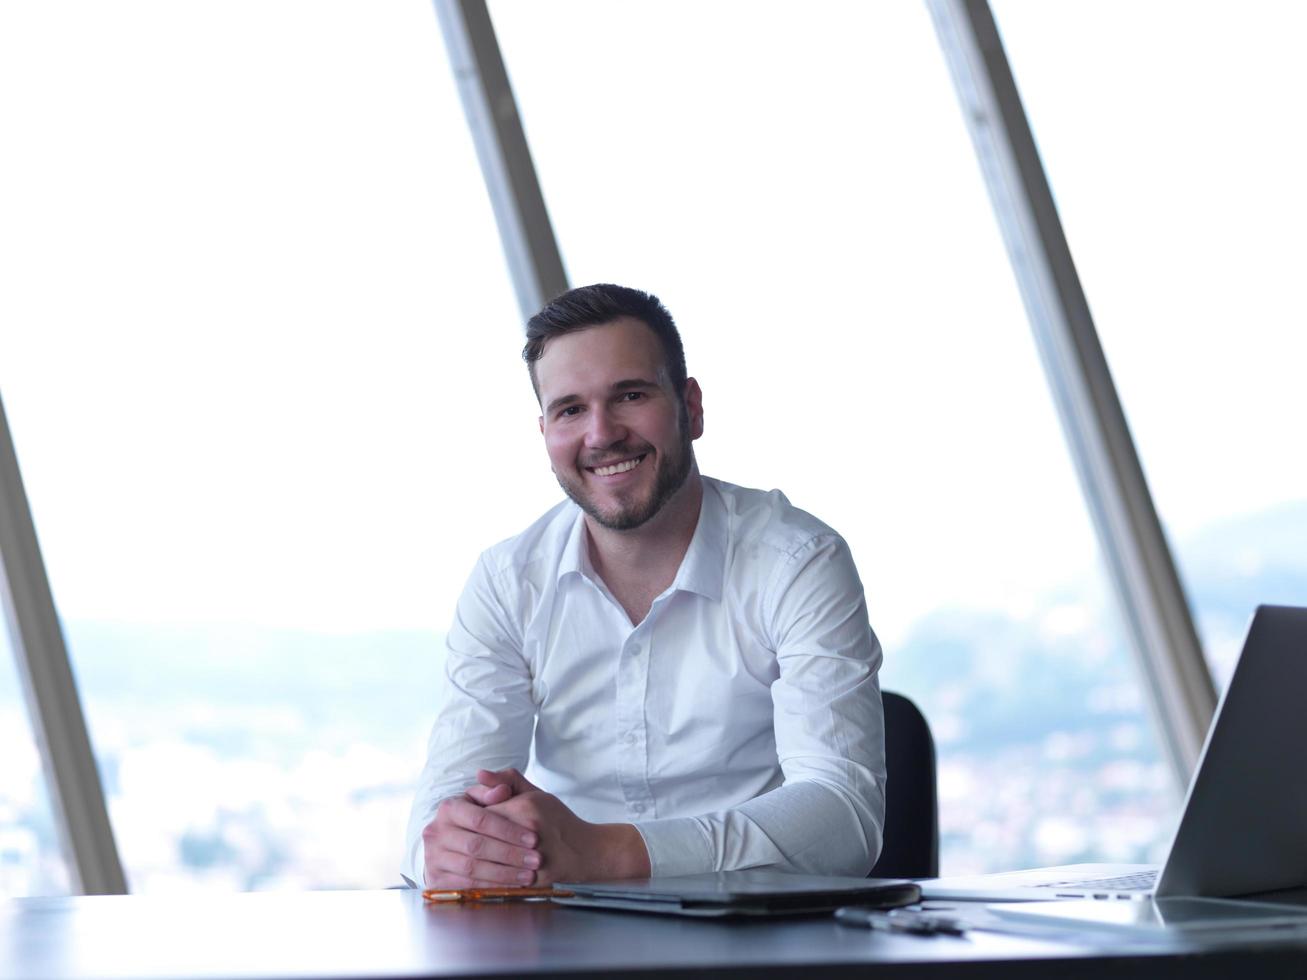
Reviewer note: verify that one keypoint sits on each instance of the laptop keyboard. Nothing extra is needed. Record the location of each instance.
(1138, 881)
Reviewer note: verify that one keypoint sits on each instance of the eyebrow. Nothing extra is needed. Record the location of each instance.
(626, 384)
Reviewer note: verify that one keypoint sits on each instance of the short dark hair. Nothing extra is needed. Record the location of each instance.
(596, 305)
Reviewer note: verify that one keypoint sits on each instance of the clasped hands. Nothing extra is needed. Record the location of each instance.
(506, 831)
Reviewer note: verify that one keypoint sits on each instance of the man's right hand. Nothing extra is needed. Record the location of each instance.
(467, 846)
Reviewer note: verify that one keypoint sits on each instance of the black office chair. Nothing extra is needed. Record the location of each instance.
(911, 847)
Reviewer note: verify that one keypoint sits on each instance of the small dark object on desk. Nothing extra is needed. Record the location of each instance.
(915, 922)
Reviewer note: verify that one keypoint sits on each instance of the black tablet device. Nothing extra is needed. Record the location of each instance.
(741, 893)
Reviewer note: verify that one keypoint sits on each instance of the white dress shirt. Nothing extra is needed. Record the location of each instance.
(739, 725)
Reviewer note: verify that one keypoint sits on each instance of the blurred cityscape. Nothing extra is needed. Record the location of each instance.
(243, 759)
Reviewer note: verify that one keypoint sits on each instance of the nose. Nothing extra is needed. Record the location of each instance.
(604, 430)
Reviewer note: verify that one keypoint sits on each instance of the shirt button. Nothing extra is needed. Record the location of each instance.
(631, 738)
(637, 808)
(635, 650)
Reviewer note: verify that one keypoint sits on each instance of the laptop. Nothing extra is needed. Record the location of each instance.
(1243, 829)
(754, 892)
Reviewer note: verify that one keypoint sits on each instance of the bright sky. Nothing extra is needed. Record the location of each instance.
(260, 354)
(1173, 136)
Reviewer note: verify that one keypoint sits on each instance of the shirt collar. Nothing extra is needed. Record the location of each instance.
(703, 569)
(576, 556)
(704, 566)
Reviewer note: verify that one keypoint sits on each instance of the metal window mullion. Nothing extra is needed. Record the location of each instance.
(1139, 561)
(534, 262)
(76, 794)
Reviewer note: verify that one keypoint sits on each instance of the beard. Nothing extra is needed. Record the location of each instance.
(669, 476)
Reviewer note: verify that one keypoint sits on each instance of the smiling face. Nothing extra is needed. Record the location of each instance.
(617, 435)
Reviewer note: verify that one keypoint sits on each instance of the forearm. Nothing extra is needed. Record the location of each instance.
(804, 826)
(620, 852)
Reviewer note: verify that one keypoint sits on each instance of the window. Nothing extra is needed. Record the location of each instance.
(260, 357)
(1178, 177)
(800, 190)
(30, 859)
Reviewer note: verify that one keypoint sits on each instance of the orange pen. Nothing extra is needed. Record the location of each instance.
(443, 895)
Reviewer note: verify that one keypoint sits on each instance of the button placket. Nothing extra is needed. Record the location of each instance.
(633, 675)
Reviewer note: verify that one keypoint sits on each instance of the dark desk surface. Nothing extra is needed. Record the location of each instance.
(393, 934)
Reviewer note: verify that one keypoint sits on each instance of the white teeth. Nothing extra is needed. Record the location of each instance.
(630, 464)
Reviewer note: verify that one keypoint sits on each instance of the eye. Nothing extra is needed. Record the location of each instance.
(569, 411)
(630, 396)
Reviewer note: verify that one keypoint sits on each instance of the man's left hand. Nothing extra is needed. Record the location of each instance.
(571, 849)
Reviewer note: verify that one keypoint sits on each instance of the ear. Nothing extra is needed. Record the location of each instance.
(694, 407)
(541, 420)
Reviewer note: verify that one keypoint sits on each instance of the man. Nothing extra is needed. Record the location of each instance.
(683, 667)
